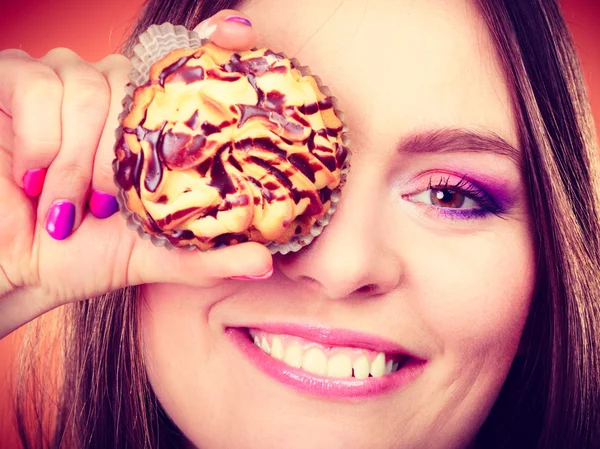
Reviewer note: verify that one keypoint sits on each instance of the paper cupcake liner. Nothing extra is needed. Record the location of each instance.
(156, 43)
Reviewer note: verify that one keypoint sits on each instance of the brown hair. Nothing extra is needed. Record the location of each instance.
(551, 398)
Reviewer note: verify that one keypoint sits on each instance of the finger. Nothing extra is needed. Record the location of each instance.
(229, 29)
(102, 201)
(83, 115)
(31, 95)
(247, 261)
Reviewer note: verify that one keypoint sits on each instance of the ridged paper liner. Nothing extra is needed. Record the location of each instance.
(154, 44)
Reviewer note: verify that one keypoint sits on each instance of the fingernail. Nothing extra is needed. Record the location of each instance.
(205, 29)
(239, 19)
(102, 205)
(253, 278)
(60, 219)
(33, 181)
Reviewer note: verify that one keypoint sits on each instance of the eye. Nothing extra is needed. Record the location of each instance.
(446, 198)
(455, 198)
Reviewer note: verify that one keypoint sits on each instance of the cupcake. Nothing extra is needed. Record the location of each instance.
(218, 147)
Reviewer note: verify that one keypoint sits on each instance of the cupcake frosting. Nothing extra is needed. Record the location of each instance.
(221, 147)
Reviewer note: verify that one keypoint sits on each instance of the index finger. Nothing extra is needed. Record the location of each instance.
(31, 94)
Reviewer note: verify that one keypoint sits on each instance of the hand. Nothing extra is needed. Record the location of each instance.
(58, 115)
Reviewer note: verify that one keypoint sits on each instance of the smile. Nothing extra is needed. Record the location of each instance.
(327, 363)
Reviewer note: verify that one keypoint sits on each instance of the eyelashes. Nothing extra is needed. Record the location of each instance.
(455, 198)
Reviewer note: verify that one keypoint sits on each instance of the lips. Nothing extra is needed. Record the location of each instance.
(326, 362)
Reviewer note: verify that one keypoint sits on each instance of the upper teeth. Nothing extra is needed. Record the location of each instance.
(337, 362)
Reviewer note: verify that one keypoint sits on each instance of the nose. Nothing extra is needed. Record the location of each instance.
(351, 258)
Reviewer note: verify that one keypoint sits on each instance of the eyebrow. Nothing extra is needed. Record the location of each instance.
(459, 140)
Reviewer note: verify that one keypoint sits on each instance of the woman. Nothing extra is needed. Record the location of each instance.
(465, 248)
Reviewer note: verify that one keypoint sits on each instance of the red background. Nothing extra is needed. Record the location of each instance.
(96, 28)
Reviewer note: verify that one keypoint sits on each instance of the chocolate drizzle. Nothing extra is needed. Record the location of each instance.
(232, 160)
(310, 142)
(172, 69)
(328, 161)
(220, 180)
(341, 154)
(252, 66)
(209, 129)
(181, 234)
(188, 75)
(193, 121)
(281, 176)
(152, 223)
(203, 168)
(129, 167)
(303, 165)
(249, 112)
(274, 101)
(183, 214)
(154, 170)
(313, 108)
(325, 194)
(261, 143)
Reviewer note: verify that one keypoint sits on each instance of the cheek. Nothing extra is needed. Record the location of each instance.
(176, 342)
(171, 319)
(475, 292)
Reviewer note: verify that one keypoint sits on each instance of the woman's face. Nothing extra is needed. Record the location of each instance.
(428, 260)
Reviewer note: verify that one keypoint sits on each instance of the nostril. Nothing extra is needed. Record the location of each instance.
(338, 286)
(369, 288)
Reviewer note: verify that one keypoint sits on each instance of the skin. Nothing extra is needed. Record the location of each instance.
(455, 289)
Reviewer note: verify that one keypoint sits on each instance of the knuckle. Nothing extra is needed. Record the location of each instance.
(60, 53)
(75, 176)
(41, 82)
(14, 53)
(90, 78)
(116, 69)
(90, 94)
(47, 145)
(116, 61)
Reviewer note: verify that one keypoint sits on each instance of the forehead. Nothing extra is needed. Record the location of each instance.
(397, 66)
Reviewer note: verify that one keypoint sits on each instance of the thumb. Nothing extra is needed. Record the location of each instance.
(229, 29)
(246, 261)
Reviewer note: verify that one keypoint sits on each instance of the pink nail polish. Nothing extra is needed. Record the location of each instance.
(60, 219)
(102, 205)
(239, 19)
(33, 181)
(253, 278)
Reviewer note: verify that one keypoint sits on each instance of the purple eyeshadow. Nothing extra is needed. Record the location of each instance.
(490, 194)
(498, 193)
(469, 214)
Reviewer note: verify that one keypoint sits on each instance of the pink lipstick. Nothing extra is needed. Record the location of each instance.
(328, 363)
